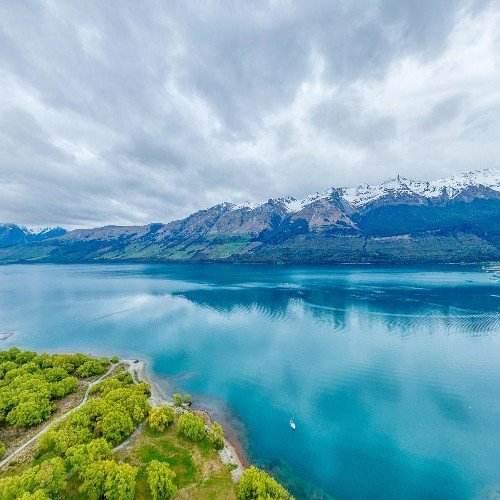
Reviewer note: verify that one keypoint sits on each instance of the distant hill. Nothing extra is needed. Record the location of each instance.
(399, 221)
(11, 234)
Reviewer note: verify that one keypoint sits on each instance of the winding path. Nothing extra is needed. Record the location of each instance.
(31, 440)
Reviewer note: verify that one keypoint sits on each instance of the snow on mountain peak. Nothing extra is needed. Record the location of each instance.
(365, 194)
(451, 186)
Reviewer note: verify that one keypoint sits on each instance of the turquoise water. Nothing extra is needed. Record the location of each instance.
(392, 375)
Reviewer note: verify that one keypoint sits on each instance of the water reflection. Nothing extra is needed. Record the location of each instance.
(392, 375)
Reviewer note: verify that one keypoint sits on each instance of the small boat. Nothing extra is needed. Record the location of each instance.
(292, 424)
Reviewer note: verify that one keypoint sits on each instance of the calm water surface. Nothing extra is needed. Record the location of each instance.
(392, 375)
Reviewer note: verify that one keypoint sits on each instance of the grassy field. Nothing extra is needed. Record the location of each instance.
(200, 474)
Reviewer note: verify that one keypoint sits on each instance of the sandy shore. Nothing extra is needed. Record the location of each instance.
(231, 454)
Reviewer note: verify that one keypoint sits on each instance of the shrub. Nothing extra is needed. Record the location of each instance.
(191, 426)
(160, 418)
(161, 480)
(255, 484)
(216, 436)
(182, 399)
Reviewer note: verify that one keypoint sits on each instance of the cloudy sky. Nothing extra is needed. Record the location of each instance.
(132, 112)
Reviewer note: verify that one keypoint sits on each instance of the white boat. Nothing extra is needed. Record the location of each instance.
(292, 424)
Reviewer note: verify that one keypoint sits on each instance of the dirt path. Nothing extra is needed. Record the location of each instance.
(30, 441)
(136, 368)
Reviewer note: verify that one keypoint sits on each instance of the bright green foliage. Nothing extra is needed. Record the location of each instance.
(115, 426)
(133, 403)
(109, 480)
(119, 406)
(29, 382)
(91, 367)
(216, 436)
(63, 387)
(47, 478)
(3, 449)
(118, 380)
(55, 374)
(191, 426)
(255, 484)
(79, 457)
(161, 480)
(160, 417)
(6, 366)
(37, 495)
(32, 411)
(182, 399)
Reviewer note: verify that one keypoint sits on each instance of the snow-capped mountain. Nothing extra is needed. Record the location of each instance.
(12, 234)
(447, 220)
(447, 188)
(360, 196)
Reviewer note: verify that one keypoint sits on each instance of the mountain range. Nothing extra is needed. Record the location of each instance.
(399, 221)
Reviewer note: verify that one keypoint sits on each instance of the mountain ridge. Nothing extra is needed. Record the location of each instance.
(400, 220)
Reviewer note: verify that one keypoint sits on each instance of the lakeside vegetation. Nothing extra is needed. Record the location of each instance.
(115, 446)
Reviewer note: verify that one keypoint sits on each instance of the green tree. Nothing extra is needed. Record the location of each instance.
(216, 436)
(133, 401)
(120, 482)
(90, 368)
(115, 426)
(109, 480)
(63, 387)
(161, 480)
(255, 484)
(80, 456)
(160, 417)
(191, 426)
(30, 412)
(48, 478)
(55, 374)
(51, 476)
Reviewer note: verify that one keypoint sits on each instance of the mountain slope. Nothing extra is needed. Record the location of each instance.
(448, 220)
(11, 234)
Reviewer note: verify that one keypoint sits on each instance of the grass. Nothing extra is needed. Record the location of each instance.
(199, 472)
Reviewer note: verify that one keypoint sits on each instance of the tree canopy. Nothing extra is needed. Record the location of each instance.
(160, 417)
(256, 484)
(161, 480)
(191, 426)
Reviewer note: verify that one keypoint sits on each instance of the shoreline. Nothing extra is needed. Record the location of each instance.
(232, 454)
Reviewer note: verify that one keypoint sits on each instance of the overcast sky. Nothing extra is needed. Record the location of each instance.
(138, 111)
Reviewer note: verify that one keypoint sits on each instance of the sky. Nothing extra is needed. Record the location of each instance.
(132, 112)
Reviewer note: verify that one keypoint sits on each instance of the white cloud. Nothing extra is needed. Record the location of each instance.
(134, 113)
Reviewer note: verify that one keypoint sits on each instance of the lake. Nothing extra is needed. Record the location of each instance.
(391, 374)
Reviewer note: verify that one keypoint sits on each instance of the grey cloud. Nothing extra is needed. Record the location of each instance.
(344, 118)
(444, 111)
(141, 111)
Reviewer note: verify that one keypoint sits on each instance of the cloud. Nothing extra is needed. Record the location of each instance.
(147, 111)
